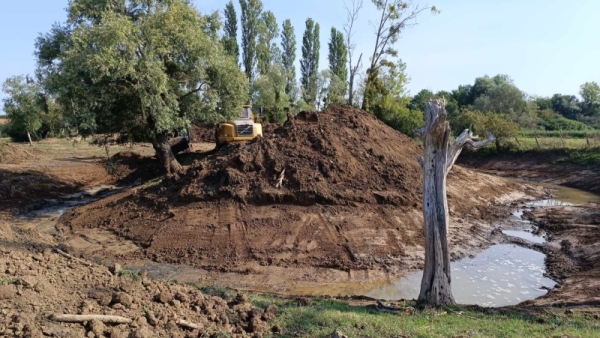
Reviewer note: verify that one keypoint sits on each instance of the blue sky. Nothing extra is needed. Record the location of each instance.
(546, 46)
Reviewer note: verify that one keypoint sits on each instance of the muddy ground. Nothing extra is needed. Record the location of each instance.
(38, 280)
(572, 231)
(347, 211)
(552, 166)
(346, 218)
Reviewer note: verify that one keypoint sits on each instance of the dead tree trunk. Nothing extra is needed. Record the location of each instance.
(437, 161)
(29, 137)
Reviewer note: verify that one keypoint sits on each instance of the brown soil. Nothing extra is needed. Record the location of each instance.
(36, 282)
(10, 154)
(62, 167)
(548, 167)
(573, 253)
(201, 134)
(350, 200)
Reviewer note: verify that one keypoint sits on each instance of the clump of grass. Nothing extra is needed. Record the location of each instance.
(10, 280)
(129, 273)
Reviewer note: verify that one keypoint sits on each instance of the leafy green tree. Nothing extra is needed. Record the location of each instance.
(396, 15)
(230, 32)
(462, 96)
(338, 59)
(499, 124)
(419, 101)
(309, 64)
(590, 94)
(267, 33)
(543, 103)
(270, 94)
(125, 69)
(23, 105)
(251, 14)
(566, 105)
(390, 104)
(288, 46)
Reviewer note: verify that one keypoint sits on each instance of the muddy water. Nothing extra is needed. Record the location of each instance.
(502, 275)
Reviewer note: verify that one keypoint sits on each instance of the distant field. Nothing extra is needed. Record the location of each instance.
(529, 143)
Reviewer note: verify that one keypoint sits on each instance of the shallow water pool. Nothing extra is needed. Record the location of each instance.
(502, 275)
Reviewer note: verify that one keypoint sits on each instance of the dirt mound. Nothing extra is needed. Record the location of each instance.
(34, 286)
(11, 154)
(129, 167)
(343, 156)
(350, 199)
(201, 134)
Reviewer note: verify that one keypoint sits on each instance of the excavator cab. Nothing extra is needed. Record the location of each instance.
(245, 128)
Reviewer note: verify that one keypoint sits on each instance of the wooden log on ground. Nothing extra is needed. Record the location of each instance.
(70, 318)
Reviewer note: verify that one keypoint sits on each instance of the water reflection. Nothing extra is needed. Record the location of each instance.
(501, 275)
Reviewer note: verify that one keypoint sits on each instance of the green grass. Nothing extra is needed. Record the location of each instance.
(318, 317)
(128, 273)
(322, 317)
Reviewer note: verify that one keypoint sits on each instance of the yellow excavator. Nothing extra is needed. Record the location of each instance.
(247, 127)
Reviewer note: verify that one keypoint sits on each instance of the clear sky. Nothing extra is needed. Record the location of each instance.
(546, 46)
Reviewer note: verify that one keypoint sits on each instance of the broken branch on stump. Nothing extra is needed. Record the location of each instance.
(62, 253)
(465, 140)
(69, 318)
(280, 179)
(187, 324)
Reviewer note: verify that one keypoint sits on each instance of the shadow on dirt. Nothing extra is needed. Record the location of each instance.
(27, 190)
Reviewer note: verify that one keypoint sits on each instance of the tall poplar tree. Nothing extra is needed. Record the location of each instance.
(338, 58)
(267, 33)
(251, 12)
(230, 32)
(288, 46)
(309, 65)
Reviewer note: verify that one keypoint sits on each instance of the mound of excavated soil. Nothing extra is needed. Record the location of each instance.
(36, 285)
(129, 167)
(350, 199)
(201, 134)
(10, 154)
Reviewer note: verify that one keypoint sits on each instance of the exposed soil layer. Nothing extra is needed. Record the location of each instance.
(36, 282)
(547, 166)
(349, 199)
(62, 167)
(10, 154)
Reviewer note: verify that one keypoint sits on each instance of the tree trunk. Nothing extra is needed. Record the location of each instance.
(436, 163)
(165, 155)
(29, 137)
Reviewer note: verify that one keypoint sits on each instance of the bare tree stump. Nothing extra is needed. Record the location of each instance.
(437, 161)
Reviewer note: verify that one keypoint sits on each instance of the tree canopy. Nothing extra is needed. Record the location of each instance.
(146, 67)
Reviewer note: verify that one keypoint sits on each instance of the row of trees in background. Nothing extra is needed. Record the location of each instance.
(149, 67)
(496, 104)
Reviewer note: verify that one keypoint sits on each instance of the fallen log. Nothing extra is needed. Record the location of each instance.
(70, 318)
(187, 324)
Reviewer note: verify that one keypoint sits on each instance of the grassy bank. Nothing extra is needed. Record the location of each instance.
(317, 317)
